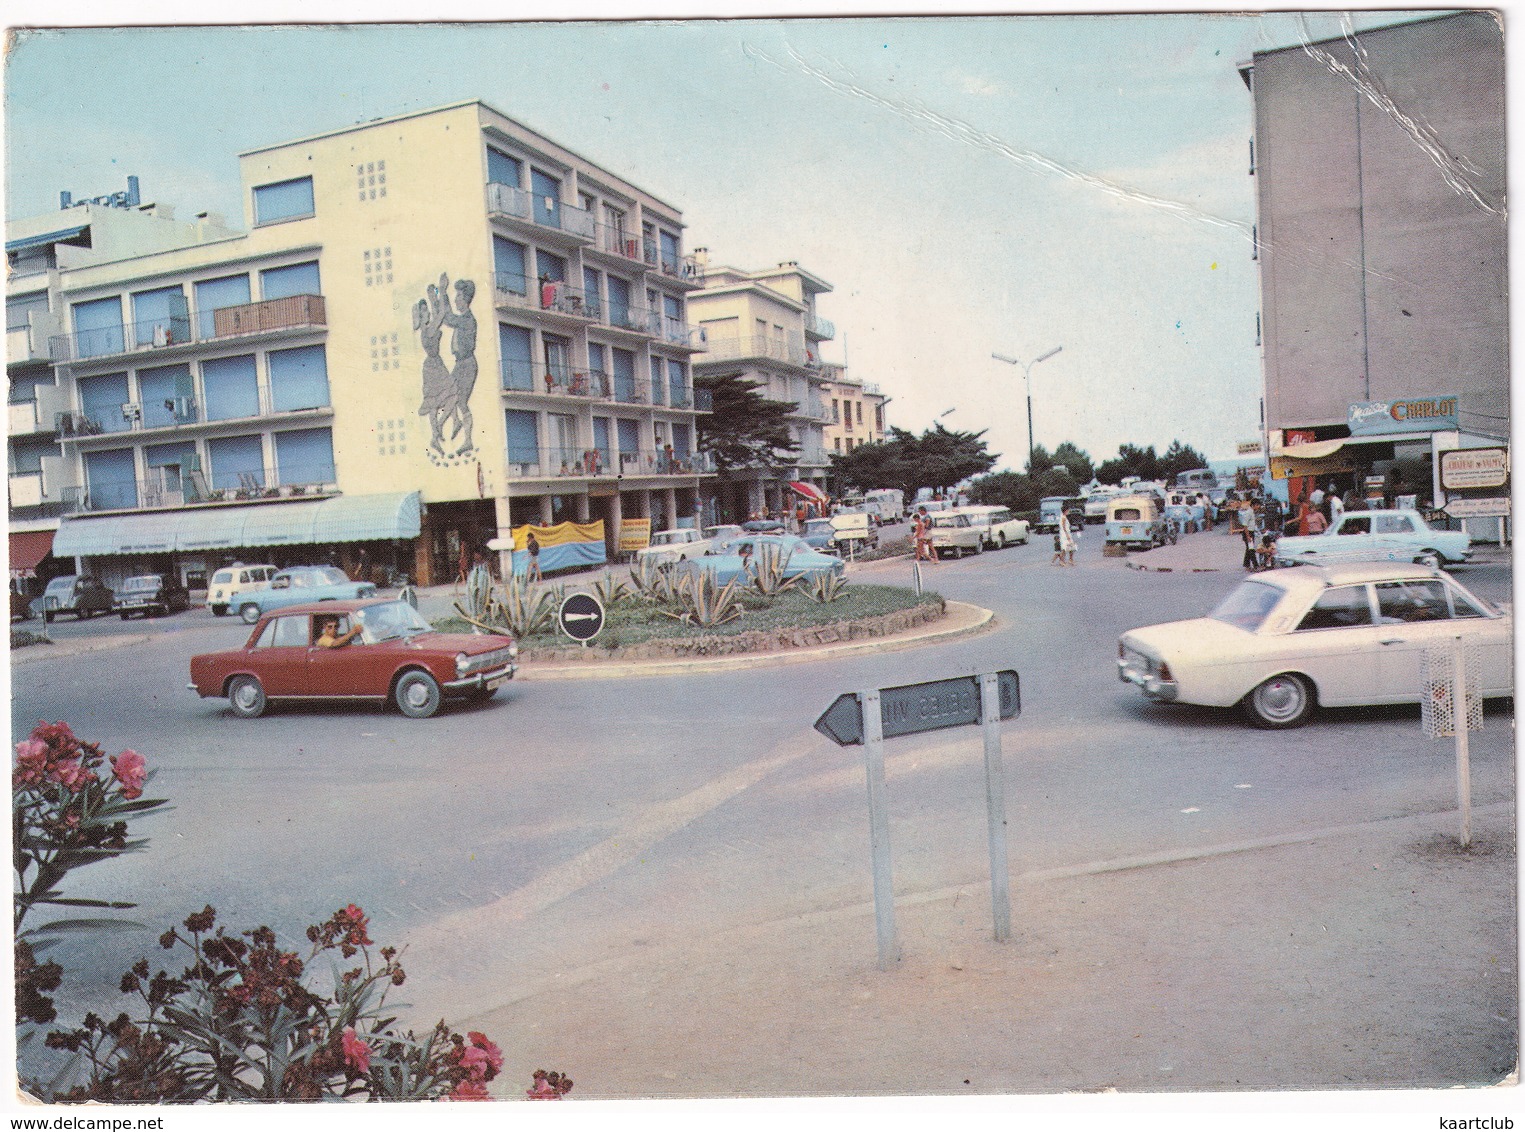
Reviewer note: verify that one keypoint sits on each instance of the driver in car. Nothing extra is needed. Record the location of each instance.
(331, 638)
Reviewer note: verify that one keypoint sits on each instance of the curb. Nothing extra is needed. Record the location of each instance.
(967, 621)
(61, 649)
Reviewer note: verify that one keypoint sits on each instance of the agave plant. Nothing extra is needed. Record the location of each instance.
(609, 591)
(766, 570)
(655, 582)
(701, 600)
(517, 609)
(478, 591)
(825, 587)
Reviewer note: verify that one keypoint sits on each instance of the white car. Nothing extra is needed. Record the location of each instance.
(230, 581)
(674, 546)
(1287, 641)
(952, 530)
(1377, 536)
(997, 525)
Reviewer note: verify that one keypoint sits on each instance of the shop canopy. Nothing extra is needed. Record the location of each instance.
(27, 549)
(339, 518)
(809, 491)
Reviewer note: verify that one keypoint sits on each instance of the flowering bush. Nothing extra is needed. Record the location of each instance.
(241, 1022)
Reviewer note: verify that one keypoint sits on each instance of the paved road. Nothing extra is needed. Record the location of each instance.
(572, 831)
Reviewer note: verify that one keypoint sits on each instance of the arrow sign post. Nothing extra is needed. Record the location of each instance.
(581, 617)
(870, 717)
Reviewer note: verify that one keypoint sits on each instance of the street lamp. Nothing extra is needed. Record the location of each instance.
(1027, 375)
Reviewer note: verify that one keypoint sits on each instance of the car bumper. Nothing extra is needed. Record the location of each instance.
(493, 677)
(1147, 682)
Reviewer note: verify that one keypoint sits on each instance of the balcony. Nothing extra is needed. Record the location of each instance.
(813, 409)
(676, 332)
(684, 268)
(41, 415)
(556, 381)
(617, 242)
(295, 313)
(814, 458)
(790, 352)
(31, 343)
(508, 202)
(520, 292)
(819, 328)
(172, 487)
(42, 493)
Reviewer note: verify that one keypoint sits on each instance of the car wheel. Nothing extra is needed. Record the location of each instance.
(417, 694)
(1281, 701)
(249, 613)
(219, 611)
(247, 697)
(1430, 558)
(47, 617)
(124, 617)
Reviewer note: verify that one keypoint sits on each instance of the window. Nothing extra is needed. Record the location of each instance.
(676, 396)
(836, 415)
(523, 438)
(283, 200)
(624, 376)
(1338, 608)
(166, 395)
(1356, 525)
(27, 453)
(837, 443)
(290, 633)
(1401, 602)
(547, 190)
(558, 359)
(19, 311)
(98, 327)
(305, 456)
(230, 388)
(213, 295)
(508, 264)
(1394, 525)
(101, 398)
(670, 255)
(656, 380)
(860, 411)
(619, 301)
(112, 479)
(551, 267)
(591, 290)
(516, 346)
(160, 317)
(298, 379)
(236, 462)
(283, 282)
(503, 169)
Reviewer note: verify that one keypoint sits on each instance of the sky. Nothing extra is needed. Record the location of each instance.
(969, 186)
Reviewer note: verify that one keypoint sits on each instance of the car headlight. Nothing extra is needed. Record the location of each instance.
(462, 662)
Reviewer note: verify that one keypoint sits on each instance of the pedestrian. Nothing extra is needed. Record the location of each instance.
(1064, 543)
(532, 544)
(921, 535)
(1316, 497)
(1072, 530)
(1303, 510)
(1336, 507)
(1317, 524)
(1250, 560)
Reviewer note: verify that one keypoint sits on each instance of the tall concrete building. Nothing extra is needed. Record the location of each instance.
(433, 329)
(763, 326)
(1380, 174)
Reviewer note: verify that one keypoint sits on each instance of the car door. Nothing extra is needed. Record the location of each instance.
(1414, 616)
(1352, 538)
(346, 670)
(1335, 643)
(279, 657)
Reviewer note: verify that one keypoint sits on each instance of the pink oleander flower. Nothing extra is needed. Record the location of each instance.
(357, 1055)
(472, 1089)
(493, 1055)
(130, 769)
(72, 774)
(31, 762)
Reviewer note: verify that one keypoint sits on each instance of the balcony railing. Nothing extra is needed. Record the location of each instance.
(295, 313)
(556, 381)
(684, 267)
(175, 488)
(511, 201)
(629, 391)
(814, 457)
(819, 327)
(526, 293)
(40, 414)
(618, 241)
(789, 351)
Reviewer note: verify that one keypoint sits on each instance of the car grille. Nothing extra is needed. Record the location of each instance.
(483, 661)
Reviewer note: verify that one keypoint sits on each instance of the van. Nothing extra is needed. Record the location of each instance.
(230, 581)
(890, 501)
(1134, 520)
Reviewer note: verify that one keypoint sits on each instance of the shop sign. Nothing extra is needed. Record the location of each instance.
(1286, 467)
(1249, 448)
(1416, 414)
(1464, 468)
(1477, 508)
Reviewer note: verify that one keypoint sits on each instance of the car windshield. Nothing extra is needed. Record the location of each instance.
(59, 585)
(1248, 606)
(665, 538)
(222, 577)
(146, 582)
(388, 621)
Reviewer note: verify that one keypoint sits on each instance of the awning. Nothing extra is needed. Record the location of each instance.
(1313, 450)
(62, 236)
(27, 549)
(809, 491)
(339, 518)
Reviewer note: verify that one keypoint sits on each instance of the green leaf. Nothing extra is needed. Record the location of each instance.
(58, 927)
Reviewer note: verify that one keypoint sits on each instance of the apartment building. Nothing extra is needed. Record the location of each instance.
(1379, 166)
(855, 410)
(433, 328)
(763, 326)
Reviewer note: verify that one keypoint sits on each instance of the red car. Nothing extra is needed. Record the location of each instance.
(387, 653)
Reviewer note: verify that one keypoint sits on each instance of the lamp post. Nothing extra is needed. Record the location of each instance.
(1027, 376)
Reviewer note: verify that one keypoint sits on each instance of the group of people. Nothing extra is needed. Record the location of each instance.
(1066, 538)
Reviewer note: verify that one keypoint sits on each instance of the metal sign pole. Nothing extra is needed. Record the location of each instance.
(995, 805)
(1463, 760)
(916, 575)
(879, 828)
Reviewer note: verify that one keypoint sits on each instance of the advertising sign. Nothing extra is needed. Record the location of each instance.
(635, 534)
(1464, 468)
(1417, 414)
(1248, 448)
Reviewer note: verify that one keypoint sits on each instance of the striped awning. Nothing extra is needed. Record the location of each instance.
(339, 518)
(27, 549)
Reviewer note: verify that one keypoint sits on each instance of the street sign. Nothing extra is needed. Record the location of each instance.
(1477, 508)
(913, 708)
(1462, 469)
(581, 616)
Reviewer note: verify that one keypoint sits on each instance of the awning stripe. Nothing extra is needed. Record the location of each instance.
(28, 548)
(339, 518)
(46, 238)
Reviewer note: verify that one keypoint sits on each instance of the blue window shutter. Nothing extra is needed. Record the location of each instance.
(216, 294)
(235, 457)
(283, 282)
(231, 388)
(518, 359)
(503, 169)
(509, 265)
(284, 200)
(112, 478)
(298, 379)
(101, 398)
(158, 385)
(305, 456)
(523, 429)
(98, 327)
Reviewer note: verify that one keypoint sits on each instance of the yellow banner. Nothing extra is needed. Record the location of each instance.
(559, 535)
(635, 534)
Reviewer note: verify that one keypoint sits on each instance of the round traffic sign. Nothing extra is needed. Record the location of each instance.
(581, 616)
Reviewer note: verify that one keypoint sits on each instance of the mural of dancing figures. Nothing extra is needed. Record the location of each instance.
(447, 392)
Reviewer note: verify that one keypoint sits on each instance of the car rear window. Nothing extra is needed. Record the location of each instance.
(1248, 605)
(1129, 513)
(222, 577)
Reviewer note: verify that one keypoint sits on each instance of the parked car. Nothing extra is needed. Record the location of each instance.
(1377, 536)
(299, 584)
(997, 526)
(1135, 520)
(818, 533)
(677, 545)
(734, 560)
(1050, 507)
(762, 526)
(1285, 642)
(852, 530)
(21, 606)
(150, 595)
(230, 581)
(79, 594)
(953, 530)
(719, 536)
(1095, 508)
(395, 657)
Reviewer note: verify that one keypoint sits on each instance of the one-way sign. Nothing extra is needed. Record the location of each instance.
(581, 616)
(913, 708)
